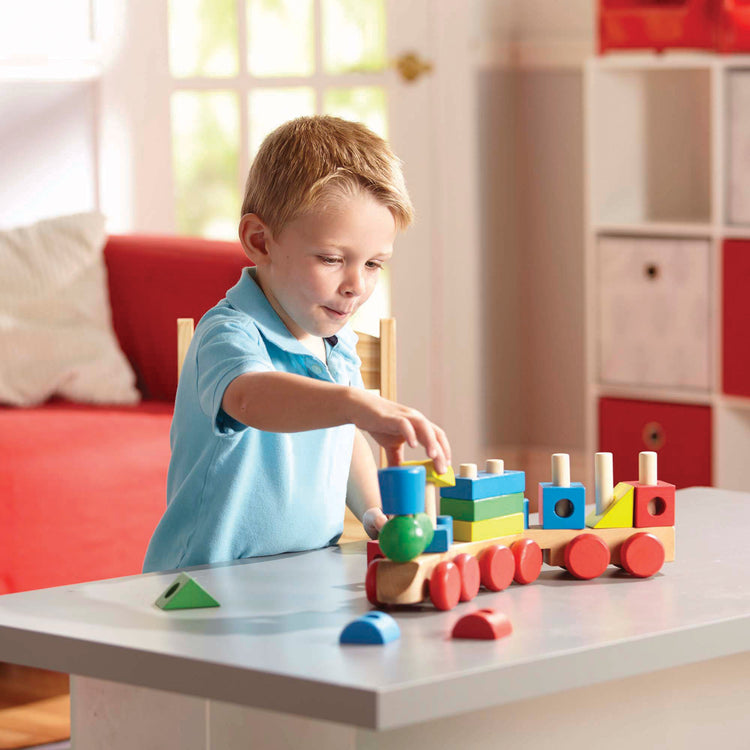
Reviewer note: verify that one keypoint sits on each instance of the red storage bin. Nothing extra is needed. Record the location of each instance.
(657, 24)
(733, 33)
(680, 433)
(735, 325)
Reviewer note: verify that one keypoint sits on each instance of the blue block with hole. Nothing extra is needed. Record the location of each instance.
(374, 628)
(562, 507)
(443, 536)
(402, 490)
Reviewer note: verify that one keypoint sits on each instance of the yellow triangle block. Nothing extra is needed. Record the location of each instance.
(619, 515)
(439, 480)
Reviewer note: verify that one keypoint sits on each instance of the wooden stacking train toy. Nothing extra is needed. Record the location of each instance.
(482, 535)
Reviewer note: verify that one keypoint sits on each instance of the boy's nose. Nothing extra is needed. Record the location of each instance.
(353, 285)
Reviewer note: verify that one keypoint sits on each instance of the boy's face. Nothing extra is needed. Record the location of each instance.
(323, 266)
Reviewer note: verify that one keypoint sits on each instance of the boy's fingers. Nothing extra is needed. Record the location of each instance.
(394, 455)
(428, 438)
(443, 440)
(440, 462)
(409, 433)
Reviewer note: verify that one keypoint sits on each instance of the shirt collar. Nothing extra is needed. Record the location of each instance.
(247, 296)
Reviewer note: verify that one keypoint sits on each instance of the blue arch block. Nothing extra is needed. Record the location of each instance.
(402, 490)
(373, 628)
(442, 539)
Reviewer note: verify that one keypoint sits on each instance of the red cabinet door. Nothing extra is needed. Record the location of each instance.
(680, 433)
(734, 26)
(735, 328)
(655, 24)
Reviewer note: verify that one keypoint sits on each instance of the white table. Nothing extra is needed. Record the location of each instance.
(614, 661)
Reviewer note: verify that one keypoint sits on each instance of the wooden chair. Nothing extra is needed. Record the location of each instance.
(378, 355)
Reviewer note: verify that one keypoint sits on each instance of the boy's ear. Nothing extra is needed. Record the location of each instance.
(254, 235)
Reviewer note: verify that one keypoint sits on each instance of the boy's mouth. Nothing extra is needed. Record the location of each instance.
(337, 314)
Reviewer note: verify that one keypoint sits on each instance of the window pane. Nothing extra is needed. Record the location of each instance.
(367, 318)
(203, 38)
(269, 108)
(366, 104)
(353, 35)
(280, 36)
(205, 149)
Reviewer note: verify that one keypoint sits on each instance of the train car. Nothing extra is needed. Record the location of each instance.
(632, 527)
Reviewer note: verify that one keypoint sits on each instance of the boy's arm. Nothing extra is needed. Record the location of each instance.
(362, 489)
(283, 402)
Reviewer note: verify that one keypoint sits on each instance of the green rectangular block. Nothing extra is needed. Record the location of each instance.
(481, 510)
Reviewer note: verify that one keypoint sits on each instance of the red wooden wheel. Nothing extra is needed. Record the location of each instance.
(371, 586)
(587, 556)
(642, 555)
(468, 567)
(528, 557)
(497, 566)
(445, 585)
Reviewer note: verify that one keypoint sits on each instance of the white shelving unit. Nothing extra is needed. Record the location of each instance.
(667, 176)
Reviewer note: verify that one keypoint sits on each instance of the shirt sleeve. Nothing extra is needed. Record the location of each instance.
(225, 351)
(355, 379)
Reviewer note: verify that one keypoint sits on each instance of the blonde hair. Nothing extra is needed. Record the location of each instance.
(315, 162)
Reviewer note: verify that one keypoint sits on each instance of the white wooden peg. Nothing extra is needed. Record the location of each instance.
(647, 473)
(561, 470)
(604, 486)
(495, 466)
(467, 471)
(431, 503)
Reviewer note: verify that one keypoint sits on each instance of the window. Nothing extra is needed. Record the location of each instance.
(240, 68)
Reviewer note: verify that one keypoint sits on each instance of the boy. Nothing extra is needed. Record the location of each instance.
(266, 441)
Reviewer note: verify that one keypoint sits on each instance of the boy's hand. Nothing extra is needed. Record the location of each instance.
(373, 520)
(393, 425)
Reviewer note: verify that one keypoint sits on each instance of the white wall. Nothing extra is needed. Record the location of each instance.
(47, 150)
(550, 20)
(531, 134)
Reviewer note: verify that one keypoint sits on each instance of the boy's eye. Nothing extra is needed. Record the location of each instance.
(330, 260)
(372, 264)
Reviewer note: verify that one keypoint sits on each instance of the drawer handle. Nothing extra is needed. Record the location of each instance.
(651, 271)
(653, 436)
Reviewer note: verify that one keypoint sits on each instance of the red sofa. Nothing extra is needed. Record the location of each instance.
(82, 487)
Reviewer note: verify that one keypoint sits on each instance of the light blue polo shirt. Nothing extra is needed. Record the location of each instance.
(234, 491)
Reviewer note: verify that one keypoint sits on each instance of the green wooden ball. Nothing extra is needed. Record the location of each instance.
(403, 538)
(427, 527)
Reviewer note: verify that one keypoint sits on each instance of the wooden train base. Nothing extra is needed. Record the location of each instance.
(456, 575)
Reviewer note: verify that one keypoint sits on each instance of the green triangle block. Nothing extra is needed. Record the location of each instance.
(185, 593)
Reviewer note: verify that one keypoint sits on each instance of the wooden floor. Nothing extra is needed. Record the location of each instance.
(34, 707)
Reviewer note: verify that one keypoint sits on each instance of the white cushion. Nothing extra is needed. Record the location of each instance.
(56, 335)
